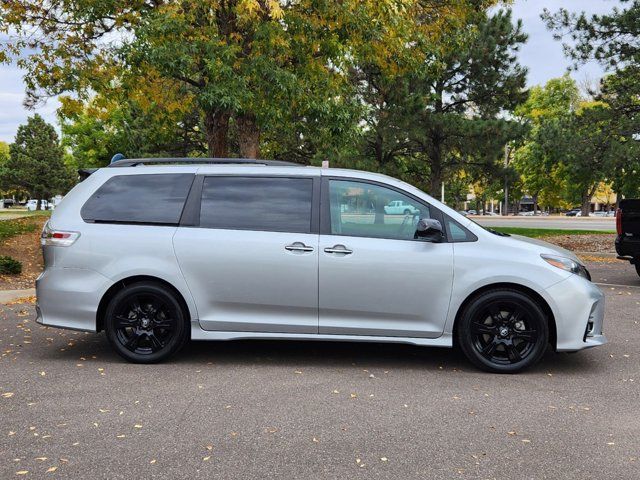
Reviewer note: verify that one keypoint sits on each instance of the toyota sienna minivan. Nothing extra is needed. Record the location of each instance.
(159, 251)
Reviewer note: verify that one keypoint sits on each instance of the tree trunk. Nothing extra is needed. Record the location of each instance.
(435, 157)
(437, 139)
(586, 204)
(248, 136)
(216, 126)
(535, 204)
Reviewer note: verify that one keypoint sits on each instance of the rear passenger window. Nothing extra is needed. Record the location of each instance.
(257, 203)
(148, 199)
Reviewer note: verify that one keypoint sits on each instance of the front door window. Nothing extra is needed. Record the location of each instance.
(362, 209)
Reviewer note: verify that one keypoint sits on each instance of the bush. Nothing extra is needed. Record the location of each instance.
(10, 266)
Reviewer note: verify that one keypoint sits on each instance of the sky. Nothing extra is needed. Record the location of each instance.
(541, 54)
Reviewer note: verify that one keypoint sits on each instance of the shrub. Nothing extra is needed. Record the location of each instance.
(10, 266)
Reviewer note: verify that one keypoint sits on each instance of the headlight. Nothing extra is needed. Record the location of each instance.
(566, 264)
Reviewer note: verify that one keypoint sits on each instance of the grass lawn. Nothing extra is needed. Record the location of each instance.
(548, 232)
(9, 212)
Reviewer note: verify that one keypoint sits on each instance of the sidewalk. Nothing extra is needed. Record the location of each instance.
(7, 296)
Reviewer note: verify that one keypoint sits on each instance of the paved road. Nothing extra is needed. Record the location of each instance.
(262, 410)
(562, 222)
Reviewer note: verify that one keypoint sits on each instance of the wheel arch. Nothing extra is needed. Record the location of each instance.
(512, 286)
(120, 284)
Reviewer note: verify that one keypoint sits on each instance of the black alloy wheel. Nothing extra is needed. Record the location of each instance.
(145, 323)
(503, 331)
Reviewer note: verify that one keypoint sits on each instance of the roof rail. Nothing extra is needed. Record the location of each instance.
(133, 162)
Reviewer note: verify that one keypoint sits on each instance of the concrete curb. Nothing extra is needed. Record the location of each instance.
(7, 296)
(597, 254)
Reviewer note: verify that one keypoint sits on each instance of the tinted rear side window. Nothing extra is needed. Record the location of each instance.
(257, 203)
(152, 199)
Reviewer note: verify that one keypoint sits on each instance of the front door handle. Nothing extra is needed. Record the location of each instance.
(298, 247)
(338, 249)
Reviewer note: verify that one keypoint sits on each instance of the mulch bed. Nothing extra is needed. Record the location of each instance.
(584, 243)
(26, 249)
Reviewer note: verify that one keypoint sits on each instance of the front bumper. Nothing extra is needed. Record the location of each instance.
(69, 297)
(578, 307)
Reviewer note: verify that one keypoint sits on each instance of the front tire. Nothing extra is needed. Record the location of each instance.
(145, 323)
(503, 331)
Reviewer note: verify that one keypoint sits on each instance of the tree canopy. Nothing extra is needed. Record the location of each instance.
(35, 163)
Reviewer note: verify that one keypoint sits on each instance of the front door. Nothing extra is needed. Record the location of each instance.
(252, 263)
(375, 277)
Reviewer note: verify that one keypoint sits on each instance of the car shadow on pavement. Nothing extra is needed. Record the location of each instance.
(341, 354)
(319, 354)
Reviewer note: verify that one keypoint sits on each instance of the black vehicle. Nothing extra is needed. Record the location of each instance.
(8, 202)
(628, 229)
(573, 212)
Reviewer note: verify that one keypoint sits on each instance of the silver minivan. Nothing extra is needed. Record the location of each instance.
(159, 251)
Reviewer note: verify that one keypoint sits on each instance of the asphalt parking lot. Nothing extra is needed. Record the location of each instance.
(70, 408)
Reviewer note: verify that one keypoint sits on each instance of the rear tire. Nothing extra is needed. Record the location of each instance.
(503, 331)
(145, 323)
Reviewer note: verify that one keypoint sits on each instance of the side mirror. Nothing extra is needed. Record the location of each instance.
(429, 229)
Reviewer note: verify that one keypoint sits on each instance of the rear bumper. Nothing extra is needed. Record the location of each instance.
(628, 246)
(69, 297)
(579, 314)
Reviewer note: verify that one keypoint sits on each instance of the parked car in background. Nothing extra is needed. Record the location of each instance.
(463, 213)
(628, 232)
(398, 207)
(574, 212)
(8, 202)
(33, 205)
(472, 212)
(156, 255)
(602, 213)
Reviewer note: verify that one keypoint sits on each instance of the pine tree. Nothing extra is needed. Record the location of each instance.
(35, 161)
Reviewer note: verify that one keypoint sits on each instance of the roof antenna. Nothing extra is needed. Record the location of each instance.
(116, 157)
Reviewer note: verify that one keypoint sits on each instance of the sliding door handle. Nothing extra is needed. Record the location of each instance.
(338, 249)
(298, 247)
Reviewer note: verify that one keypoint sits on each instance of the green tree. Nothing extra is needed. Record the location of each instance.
(621, 93)
(445, 115)
(590, 150)
(4, 156)
(613, 39)
(102, 128)
(246, 65)
(4, 152)
(36, 162)
(537, 160)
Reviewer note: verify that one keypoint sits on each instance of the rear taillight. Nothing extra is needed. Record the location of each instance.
(58, 238)
(619, 221)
